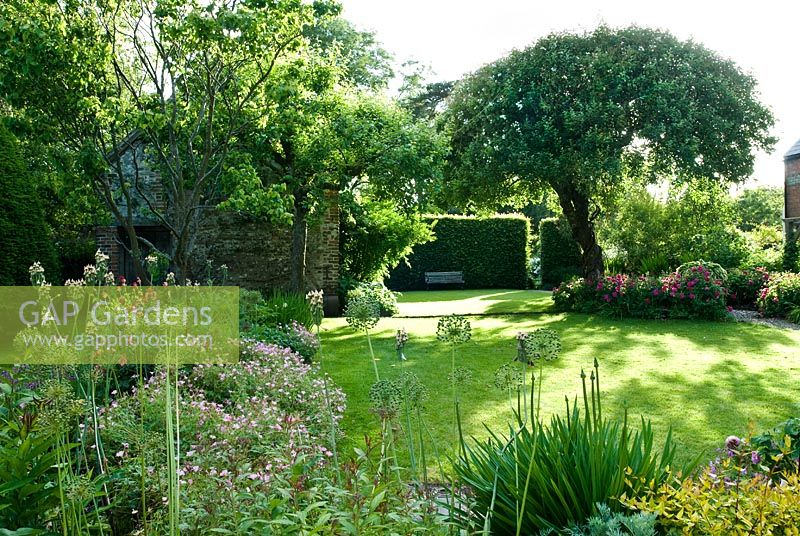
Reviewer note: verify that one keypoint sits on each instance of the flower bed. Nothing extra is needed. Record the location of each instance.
(745, 286)
(243, 427)
(696, 293)
(781, 295)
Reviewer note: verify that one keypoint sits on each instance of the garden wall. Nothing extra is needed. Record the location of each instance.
(492, 252)
(257, 254)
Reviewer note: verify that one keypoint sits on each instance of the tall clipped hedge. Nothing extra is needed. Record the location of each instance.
(24, 235)
(492, 252)
(560, 254)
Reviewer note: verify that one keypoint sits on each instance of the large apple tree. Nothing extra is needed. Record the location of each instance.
(578, 113)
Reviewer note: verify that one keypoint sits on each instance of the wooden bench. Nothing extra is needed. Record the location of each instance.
(444, 278)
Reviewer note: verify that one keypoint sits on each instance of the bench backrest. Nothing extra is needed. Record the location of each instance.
(444, 277)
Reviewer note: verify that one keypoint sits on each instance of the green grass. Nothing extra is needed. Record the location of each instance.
(423, 303)
(706, 380)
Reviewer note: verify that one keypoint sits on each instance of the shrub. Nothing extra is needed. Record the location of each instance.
(610, 523)
(246, 428)
(376, 236)
(24, 235)
(34, 442)
(294, 336)
(765, 248)
(376, 292)
(282, 308)
(696, 295)
(492, 252)
(249, 302)
(781, 295)
(724, 245)
(555, 475)
(744, 286)
(790, 251)
(689, 269)
(772, 446)
(560, 255)
(709, 504)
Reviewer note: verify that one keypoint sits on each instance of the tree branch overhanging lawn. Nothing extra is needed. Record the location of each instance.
(707, 380)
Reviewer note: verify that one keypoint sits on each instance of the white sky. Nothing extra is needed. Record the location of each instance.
(456, 37)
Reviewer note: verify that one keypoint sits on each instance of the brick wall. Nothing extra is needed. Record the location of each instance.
(258, 254)
(106, 238)
(792, 182)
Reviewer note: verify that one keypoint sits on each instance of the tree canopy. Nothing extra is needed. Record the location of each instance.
(578, 113)
(192, 77)
(759, 206)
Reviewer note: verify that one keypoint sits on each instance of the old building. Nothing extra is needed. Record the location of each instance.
(791, 201)
(255, 252)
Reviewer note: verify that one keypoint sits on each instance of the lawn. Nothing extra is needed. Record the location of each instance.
(473, 302)
(706, 380)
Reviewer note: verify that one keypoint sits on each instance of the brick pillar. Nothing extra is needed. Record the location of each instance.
(792, 182)
(106, 238)
(330, 262)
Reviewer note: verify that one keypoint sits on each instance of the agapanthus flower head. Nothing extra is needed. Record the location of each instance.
(454, 329)
(362, 312)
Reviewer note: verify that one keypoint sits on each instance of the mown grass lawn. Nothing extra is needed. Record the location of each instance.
(706, 380)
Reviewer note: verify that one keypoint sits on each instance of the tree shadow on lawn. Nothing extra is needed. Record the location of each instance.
(703, 409)
(607, 336)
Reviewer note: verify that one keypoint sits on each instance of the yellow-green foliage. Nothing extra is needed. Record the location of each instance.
(711, 504)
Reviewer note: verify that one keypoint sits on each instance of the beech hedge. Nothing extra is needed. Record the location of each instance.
(492, 252)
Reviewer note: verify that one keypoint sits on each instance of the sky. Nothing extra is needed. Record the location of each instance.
(456, 37)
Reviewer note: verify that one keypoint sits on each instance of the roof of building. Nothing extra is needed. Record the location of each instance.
(794, 151)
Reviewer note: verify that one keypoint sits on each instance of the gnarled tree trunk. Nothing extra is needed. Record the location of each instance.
(575, 205)
(297, 279)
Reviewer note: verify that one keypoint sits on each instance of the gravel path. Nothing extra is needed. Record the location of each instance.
(753, 317)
